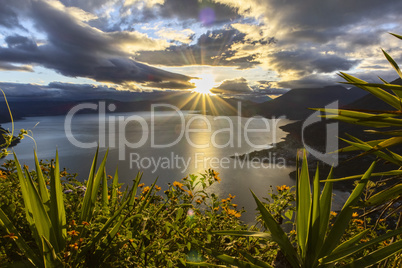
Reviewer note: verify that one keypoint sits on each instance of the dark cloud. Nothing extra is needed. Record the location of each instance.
(266, 87)
(65, 91)
(212, 48)
(76, 49)
(8, 17)
(170, 85)
(307, 62)
(234, 86)
(205, 11)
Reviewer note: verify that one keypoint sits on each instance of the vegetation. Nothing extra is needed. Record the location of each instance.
(50, 219)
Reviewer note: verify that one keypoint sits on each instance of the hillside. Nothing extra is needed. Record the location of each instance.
(294, 104)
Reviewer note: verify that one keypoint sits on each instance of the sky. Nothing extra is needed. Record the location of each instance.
(88, 48)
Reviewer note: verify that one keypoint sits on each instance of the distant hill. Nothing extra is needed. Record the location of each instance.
(211, 105)
(295, 103)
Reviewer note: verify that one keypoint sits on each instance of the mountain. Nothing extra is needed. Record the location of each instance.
(211, 105)
(295, 103)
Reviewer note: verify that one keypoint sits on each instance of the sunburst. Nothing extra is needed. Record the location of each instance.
(203, 83)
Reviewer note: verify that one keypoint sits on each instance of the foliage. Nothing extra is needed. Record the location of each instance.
(318, 243)
(49, 218)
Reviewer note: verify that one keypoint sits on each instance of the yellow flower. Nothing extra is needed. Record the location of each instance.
(333, 213)
(215, 176)
(73, 233)
(145, 190)
(355, 214)
(178, 184)
(234, 205)
(231, 196)
(216, 208)
(85, 223)
(141, 185)
(223, 201)
(157, 188)
(232, 212)
(198, 201)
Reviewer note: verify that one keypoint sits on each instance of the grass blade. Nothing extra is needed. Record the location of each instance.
(57, 212)
(303, 206)
(244, 233)
(278, 235)
(384, 195)
(378, 92)
(342, 221)
(115, 187)
(44, 193)
(325, 207)
(105, 201)
(87, 197)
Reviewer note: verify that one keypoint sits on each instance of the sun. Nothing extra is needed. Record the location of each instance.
(203, 84)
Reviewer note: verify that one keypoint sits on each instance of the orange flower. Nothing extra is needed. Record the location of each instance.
(179, 185)
(73, 223)
(145, 190)
(141, 185)
(216, 208)
(234, 205)
(231, 196)
(359, 221)
(333, 213)
(282, 188)
(190, 194)
(223, 201)
(11, 236)
(85, 223)
(232, 212)
(355, 214)
(198, 201)
(73, 233)
(74, 246)
(157, 188)
(215, 176)
(3, 175)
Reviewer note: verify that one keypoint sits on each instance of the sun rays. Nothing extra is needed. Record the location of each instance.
(203, 83)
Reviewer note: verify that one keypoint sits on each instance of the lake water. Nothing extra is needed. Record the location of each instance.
(167, 145)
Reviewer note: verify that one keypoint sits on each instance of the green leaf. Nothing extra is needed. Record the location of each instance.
(303, 206)
(86, 204)
(20, 242)
(314, 242)
(393, 63)
(255, 260)
(342, 221)
(325, 207)
(93, 184)
(230, 260)
(347, 251)
(42, 224)
(57, 212)
(378, 92)
(134, 189)
(44, 193)
(105, 200)
(244, 233)
(385, 195)
(349, 243)
(278, 235)
(115, 187)
(49, 255)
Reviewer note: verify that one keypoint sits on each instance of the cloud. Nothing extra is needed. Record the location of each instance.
(65, 91)
(75, 49)
(213, 48)
(234, 86)
(184, 36)
(4, 66)
(8, 17)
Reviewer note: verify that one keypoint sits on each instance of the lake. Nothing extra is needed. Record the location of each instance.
(168, 144)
